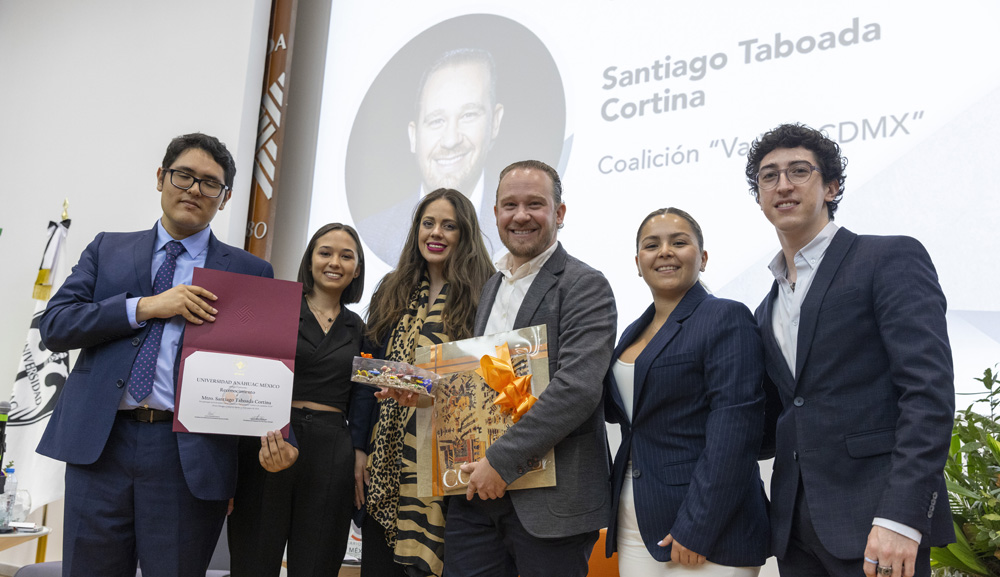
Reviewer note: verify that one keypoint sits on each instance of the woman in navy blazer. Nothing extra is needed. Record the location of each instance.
(685, 386)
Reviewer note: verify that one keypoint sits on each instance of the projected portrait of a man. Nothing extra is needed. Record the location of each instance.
(477, 102)
(457, 119)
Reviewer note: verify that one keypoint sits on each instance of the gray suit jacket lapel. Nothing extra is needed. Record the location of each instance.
(546, 279)
(486, 300)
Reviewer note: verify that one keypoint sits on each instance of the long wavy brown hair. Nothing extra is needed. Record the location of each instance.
(466, 270)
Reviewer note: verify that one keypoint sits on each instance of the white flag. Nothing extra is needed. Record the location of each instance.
(41, 375)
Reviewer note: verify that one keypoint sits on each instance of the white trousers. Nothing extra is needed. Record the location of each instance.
(635, 561)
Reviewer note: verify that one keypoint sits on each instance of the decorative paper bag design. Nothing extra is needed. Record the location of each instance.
(464, 420)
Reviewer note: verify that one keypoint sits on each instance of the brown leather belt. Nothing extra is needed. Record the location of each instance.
(144, 415)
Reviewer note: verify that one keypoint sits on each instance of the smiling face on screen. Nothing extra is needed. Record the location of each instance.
(456, 124)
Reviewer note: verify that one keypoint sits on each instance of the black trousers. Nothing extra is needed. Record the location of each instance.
(485, 538)
(377, 559)
(308, 505)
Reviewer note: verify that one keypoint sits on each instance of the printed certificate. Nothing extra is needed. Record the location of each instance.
(236, 373)
(234, 394)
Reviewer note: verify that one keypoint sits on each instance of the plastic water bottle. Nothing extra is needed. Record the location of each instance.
(7, 500)
(22, 505)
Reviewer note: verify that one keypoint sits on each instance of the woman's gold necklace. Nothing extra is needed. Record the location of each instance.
(325, 325)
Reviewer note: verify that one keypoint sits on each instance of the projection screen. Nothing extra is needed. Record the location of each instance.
(642, 105)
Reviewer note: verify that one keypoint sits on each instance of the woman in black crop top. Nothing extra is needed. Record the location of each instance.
(309, 505)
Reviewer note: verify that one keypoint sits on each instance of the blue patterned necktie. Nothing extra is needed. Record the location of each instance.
(140, 382)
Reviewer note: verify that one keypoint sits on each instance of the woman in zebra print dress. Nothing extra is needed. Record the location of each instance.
(430, 298)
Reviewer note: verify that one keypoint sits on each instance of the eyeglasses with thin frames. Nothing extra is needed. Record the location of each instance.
(185, 181)
(796, 173)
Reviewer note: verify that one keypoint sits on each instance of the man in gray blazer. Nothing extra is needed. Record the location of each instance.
(859, 370)
(551, 530)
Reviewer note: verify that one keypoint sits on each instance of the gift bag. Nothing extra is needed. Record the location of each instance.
(466, 419)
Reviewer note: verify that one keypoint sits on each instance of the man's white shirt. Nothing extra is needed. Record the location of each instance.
(513, 287)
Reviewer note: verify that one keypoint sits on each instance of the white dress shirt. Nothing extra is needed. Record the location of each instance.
(788, 305)
(513, 287)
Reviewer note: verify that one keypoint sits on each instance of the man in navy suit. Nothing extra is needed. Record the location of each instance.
(859, 373)
(135, 490)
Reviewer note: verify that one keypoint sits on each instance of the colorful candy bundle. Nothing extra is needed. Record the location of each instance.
(393, 375)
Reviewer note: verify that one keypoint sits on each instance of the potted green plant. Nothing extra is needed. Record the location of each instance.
(972, 473)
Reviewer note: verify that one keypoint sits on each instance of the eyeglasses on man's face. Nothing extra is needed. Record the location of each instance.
(796, 173)
(185, 181)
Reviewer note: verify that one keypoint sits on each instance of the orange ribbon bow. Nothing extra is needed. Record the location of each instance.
(514, 393)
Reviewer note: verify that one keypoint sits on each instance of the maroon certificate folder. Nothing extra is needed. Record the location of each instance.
(236, 373)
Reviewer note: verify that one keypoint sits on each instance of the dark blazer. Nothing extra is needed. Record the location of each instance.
(88, 313)
(696, 428)
(577, 306)
(866, 422)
